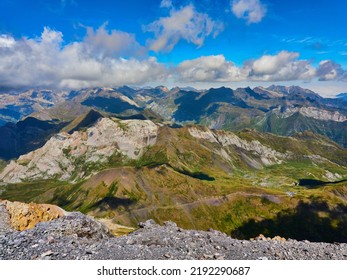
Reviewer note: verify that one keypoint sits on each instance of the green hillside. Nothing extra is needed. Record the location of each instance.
(201, 184)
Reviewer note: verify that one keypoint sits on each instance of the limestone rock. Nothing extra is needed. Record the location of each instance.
(266, 155)
(261, 237)
(313, 112)
(64, 155)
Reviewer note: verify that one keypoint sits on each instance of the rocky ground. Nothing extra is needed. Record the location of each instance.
(76, 236)
(5, 223)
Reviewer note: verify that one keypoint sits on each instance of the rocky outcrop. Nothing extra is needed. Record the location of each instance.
(22, 216)
(63, 154)
(312, 112)
(267, 155)
(77, 236)
(5, 220)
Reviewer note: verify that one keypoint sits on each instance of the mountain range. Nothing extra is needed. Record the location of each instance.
(244, 161)
(276, 109)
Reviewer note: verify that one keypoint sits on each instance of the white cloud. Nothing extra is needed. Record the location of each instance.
(329, 70)
(185, 23)
(251, 10)
(166, 4)
(49, 36)
(212, 68)
(95, 61)
(111, 58)
(6, 41)
(104, 43)
(283, 66)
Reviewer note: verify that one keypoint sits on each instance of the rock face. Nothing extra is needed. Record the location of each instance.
(267, 155)
(315, 113)
(5, 220)
(79, 237)
(22, 216)
(63, 154)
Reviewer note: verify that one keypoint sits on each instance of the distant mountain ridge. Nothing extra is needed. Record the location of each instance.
(15, 106)
(342, 96)
(275, 109)
(244, 161)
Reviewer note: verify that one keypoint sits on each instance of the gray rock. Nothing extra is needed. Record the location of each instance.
(5, 224)
(80, 237)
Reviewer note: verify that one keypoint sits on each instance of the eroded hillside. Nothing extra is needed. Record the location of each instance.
(132, 170)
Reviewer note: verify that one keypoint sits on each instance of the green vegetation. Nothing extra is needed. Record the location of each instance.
(121, 124)
(38, 191)
(311, 220)
(190, 182)
(151, 158)
(298, 123)
(112, 189)
(2, 164)
(66, 152)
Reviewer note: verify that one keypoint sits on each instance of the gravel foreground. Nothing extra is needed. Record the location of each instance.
(78, 237)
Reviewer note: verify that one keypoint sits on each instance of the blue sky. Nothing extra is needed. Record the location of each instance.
(206, 43)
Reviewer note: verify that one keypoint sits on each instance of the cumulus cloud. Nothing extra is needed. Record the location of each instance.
(214, 68)
(253, 11)
(283, 66)
(329, 70)
(112, 58)
(95, 61)
(6, 41)
(184, 23)
(104, 43)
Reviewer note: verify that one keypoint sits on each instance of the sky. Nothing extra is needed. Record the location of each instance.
(70, 44)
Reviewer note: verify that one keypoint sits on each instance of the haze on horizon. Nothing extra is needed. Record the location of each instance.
(72, 44)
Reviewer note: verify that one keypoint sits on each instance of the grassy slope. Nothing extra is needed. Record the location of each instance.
(298, 123)
(2, 165)
(181, 179)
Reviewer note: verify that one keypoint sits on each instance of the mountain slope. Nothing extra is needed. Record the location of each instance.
(26, 135)
(32, 133)
(15, 106)
(224, 108)
(292, 110)
(295, 122)
(132, 170)
(342, 96)
(220, 108)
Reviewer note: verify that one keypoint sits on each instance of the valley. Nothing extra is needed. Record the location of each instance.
(129, 163)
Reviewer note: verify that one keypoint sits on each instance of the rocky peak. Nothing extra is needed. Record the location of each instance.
(64, 153)
(162, 88)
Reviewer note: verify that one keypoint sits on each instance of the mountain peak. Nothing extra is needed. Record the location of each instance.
(289, 89)
(342, 96)
(162, 88)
